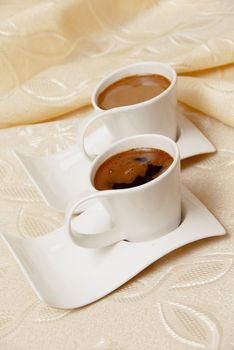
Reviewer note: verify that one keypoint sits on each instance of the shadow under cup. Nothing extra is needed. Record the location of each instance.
(149, 210)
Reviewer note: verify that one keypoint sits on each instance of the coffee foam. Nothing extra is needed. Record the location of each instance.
(131, 168)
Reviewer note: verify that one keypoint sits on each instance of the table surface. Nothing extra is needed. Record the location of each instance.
(183, 301)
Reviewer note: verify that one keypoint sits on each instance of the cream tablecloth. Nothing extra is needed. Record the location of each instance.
(52, 53)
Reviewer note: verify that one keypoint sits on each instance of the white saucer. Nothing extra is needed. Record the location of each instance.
(63, 177)
(67, 276)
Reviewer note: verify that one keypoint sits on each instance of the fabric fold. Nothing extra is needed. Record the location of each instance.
(53, 53)
(214, 97)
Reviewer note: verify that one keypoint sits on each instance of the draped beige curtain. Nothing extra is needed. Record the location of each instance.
(52, 53)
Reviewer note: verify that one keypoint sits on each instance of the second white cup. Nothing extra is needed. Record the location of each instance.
(156, 116)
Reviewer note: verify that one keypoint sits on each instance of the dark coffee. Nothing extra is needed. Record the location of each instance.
(131, 168)
(131, 90)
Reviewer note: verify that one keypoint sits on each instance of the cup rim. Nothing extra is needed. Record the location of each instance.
(158, 179)
(140, 104)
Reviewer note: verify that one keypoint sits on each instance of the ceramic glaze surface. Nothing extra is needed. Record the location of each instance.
(60, 263)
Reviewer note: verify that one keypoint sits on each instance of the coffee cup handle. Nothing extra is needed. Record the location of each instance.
(94, 240)
(99, 116)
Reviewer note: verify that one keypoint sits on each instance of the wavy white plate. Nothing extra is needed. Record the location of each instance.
(63, 177)
(67, 276)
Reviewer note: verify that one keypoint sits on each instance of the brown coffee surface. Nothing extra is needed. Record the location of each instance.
(131, 90)
(131, 168)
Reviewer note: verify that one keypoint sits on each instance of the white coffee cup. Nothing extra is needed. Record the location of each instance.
(138, 213)
(156, 116)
